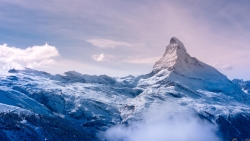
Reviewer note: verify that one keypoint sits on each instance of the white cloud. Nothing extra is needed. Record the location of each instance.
(148, 60)
(36, 56)
(104, 43)
(99, 58)
(165, 123)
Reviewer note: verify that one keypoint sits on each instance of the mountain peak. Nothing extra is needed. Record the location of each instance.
(175, 42)
(178, 66)
(175, 56)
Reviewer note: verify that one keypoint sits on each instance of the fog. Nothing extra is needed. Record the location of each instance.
(173, 123)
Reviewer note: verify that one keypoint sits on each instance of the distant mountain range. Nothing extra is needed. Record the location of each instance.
(36, 105)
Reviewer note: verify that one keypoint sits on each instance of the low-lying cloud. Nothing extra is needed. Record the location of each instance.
(160, 124)
(36, 56)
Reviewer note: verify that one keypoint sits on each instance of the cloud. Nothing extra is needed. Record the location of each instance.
(223, 66)
(104, 43)
(148, 60)
(99, 58)
(165, 124)
(36, 56)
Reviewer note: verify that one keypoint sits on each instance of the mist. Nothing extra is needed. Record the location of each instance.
(165, 124)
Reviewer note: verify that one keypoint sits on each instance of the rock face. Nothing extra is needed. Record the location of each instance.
(174, 58)
(88, 105)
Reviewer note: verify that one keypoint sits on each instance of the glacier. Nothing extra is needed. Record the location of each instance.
(180, 90)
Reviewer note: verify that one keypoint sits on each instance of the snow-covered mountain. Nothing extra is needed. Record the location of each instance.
(33, 103)
(244, 85)
(177, 65)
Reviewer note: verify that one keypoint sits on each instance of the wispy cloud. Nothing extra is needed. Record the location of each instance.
(99, 58)
(104, 43)
(223, 66)
(147, 60)
(36, 56)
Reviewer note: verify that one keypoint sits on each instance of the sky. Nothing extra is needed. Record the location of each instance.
(122, 37)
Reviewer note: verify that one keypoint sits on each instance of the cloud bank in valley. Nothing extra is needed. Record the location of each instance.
(160, 124)
(36, 56)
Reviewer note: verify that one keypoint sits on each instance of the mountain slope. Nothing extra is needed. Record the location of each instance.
(244, 85)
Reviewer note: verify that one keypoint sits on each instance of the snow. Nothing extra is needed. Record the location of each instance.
(8, 108)
(243, 84)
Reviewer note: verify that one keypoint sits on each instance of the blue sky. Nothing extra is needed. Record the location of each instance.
(121, 37)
